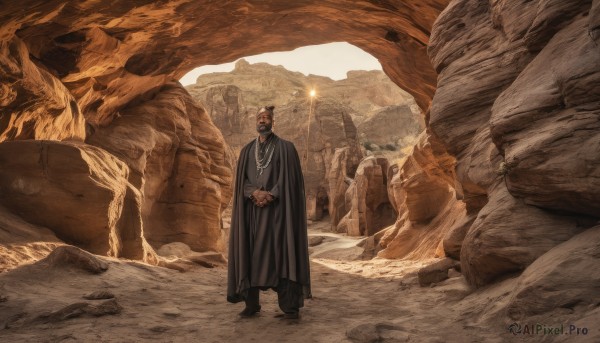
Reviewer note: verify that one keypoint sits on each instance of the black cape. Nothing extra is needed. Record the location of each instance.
(282, 226)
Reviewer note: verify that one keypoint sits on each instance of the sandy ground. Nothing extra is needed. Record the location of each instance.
(354, 301)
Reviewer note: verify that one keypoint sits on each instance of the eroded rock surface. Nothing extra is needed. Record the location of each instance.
(517, 104)
(44, 181)
(422, 192)
(54, 114)
(109, 55)
(180, 162)
(366, 201)
(565, 277)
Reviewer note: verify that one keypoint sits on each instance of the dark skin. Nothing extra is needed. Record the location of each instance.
(261, 197)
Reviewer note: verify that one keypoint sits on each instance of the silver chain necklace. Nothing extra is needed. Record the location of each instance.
(260, 162)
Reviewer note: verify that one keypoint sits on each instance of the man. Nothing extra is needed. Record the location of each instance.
(268, 244)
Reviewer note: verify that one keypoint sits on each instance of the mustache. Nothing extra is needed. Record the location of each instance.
(263, 128)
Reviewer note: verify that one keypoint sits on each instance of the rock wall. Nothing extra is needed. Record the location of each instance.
(421, 190)
(517, 104)
(180, 162)
(78, 191)
(367, 206)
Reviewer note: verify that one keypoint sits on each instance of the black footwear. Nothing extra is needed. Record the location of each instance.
(291, 315)
(249, 312)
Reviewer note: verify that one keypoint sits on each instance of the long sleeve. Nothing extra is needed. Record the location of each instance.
(249, 188)
(275, 191)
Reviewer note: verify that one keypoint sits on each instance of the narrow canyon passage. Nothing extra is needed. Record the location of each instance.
(102, 148)
(353, 301)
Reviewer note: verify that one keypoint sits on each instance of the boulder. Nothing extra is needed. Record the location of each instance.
(72, 257)
(435, 272)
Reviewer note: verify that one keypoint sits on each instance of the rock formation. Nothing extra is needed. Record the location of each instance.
(524, 130)
(366, 200)
(44, 181)
(179, 162)
(512, 143)
(421, 190)
(74, 71)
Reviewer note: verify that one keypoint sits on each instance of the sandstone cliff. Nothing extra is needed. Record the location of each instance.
(525, 130)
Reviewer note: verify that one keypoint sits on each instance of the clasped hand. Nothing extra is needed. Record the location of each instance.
(262, 198)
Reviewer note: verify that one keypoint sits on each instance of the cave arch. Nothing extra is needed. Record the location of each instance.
(121, 52)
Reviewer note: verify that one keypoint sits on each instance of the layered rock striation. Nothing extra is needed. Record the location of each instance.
(517, 104)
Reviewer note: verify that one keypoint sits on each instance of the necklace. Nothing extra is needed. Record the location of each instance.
(261, 164)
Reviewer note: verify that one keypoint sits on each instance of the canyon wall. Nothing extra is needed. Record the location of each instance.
(517, 103)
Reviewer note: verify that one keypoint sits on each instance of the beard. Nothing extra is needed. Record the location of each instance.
(264, 129)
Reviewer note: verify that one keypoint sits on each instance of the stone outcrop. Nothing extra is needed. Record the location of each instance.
(44, 180)
(366, 201)
(421, 189)
(517, 105)
(181, 164)
(340, 177)
(330, 128)
(392, 127)
(565, 277)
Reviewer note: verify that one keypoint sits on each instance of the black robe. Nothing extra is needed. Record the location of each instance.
(269, 245)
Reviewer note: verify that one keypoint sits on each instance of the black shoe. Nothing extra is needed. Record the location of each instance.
(291, 315)
(249, 312)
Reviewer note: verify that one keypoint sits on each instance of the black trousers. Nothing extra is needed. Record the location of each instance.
(289, 296)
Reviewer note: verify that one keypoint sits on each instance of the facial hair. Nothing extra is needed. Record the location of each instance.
(264, 129)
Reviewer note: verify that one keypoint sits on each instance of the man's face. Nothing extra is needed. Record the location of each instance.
(264, 122)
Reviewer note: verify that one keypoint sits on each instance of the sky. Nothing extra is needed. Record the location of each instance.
(332, 60)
